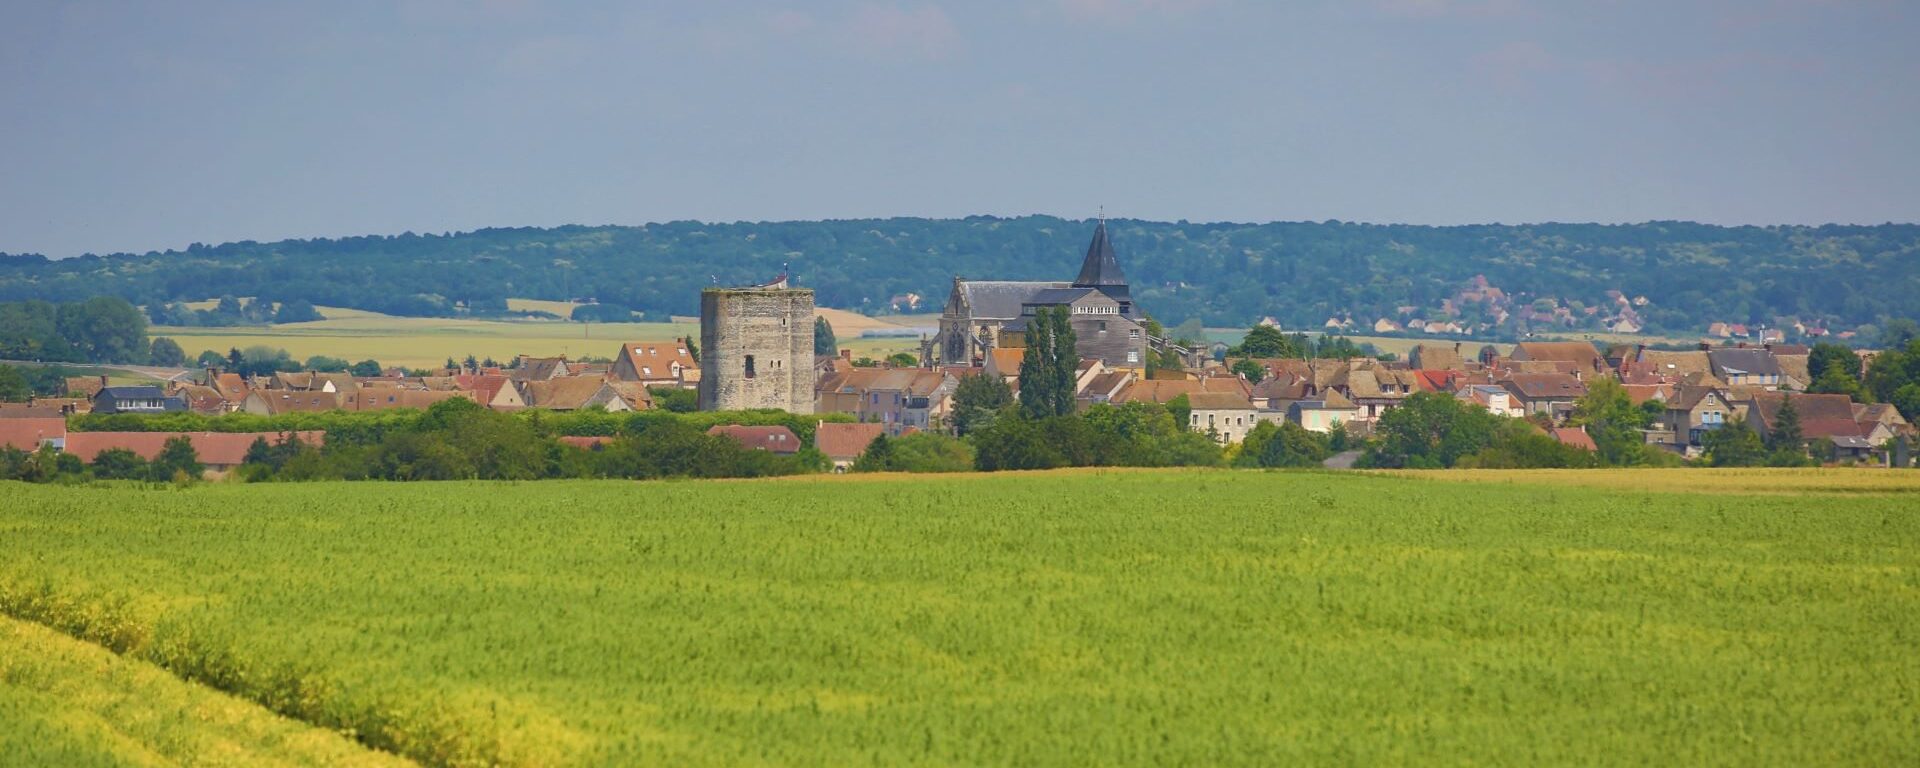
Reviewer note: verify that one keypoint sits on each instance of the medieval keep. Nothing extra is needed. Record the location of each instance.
(984, 314)
(757, 348)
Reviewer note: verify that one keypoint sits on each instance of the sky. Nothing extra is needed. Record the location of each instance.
(134, 126)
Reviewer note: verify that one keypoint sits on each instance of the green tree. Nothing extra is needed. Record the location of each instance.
(823, 341)
(1042, 393)
(1786, 434)
(1250, 369)
(903, 360)
(878, 457)
(1180, 407)
(365, 369)
(13, 385)
(1283, 445)
(1825, 357)
(177, 459)
(119, 464)
(166, 353)
(977, 400)
(1430, 430)
(325, 364)
(296, 311)
(1265, 341)
(1613, 421)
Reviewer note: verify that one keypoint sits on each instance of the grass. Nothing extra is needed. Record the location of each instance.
(1791, 482)
(71, 703)
(1092, 617)
(423, 342)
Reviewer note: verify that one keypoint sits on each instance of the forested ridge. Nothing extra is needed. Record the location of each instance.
(1225, 274)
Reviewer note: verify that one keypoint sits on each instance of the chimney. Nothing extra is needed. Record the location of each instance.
(846, 354)
(103, 381)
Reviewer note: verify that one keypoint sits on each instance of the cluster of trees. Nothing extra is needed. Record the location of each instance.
(229, 311)
(1434, 430)
(1893, 376)
(460, 440)
(1738, 444)
(177, 462)
(102, 329)
(1225, 274)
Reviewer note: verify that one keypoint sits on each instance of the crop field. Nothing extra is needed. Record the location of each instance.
(422, 342)
(1065, 618)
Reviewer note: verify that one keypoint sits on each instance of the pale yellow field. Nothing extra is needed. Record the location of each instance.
(66, 701)
(422, 342)
(1850, 481)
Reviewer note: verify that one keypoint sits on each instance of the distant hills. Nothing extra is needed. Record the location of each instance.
(1223, 274)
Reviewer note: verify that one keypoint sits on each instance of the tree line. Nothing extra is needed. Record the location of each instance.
(1223, 274)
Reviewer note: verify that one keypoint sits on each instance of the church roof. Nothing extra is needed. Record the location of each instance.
(1100, 267)
(1000, 299)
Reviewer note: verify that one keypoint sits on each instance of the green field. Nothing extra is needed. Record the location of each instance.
(1071, 618)
(427, 342)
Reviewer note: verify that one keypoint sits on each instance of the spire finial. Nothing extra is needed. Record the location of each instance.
(1103, 215)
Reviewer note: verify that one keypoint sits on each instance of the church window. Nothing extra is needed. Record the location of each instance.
(1134, 334)
(749, 366)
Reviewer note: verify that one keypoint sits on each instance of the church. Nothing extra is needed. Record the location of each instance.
(984, 314)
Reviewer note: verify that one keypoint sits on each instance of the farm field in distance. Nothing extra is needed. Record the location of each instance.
(1050, 618)
(427, 342)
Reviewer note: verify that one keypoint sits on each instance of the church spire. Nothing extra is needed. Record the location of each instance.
(1101, 270)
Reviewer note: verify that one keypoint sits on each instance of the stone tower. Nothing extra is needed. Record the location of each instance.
(756, 348)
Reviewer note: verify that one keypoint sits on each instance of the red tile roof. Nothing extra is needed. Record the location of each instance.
(776, 439)
(1575, 437)
(214, 448)
(845, 441)
(26, 433)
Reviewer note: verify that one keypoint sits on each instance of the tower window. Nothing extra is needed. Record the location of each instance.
(749, 366)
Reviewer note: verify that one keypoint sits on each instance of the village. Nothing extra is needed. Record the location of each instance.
(760, 353)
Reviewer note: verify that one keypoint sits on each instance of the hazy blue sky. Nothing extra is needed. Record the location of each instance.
(148, 125)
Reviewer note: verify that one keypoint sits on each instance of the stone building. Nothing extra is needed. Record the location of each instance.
(982, 315)
(756, 348)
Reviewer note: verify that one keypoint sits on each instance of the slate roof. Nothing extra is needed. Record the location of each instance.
(1000, 299)
(1545, 386)
(1748, 362)
(1057, 296)
(1101, 269)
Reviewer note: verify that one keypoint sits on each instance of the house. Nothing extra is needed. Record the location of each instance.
(29, 433)
(1745, 367)
(1278, 390)
(218, 451)
(1323, 414)
(1585, 359)
(267, 402)
(842, 443)
(1226, 415)
(575, 393)
(1384, 325)
(775, 439)
(1436, 357)
(1549, 394)
(655, 363)
(1004, 362)
(140, 399)
(1640, 393)
(1103, 388)
(86, 386)
(1668, 366)
(1496, 399)
(540, 369)
(384, 398)
(1719, 330)
(493, 391)
(1829, 417)
(204, 399)
(899, 398)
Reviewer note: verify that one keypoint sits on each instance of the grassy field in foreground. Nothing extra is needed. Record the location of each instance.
(70, 703)
(1793, 482)
(422, 342)
(1140, 617)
